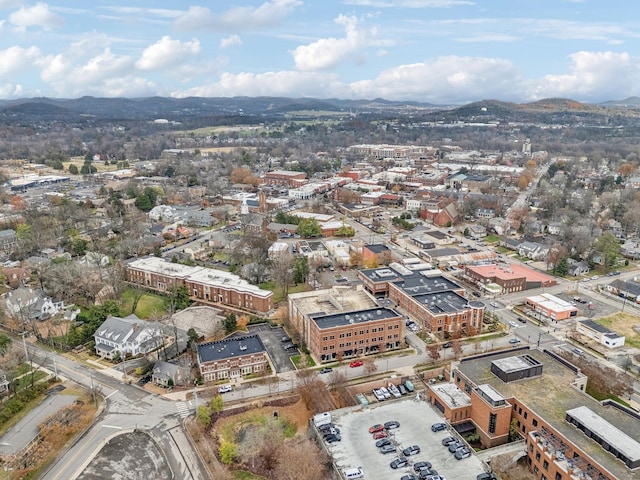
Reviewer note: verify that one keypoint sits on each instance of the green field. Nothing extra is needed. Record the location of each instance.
(149, 305)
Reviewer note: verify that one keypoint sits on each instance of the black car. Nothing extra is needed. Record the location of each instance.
(447, 440)
(391, 425)
(438, 427)
(446, 345)
(428, 473)
(332, 437)
(455, 446)
(486, 476)
(418, 466)
(412, 450)
(382, 442)
(522, 320)
(399, 463)
(409, 476)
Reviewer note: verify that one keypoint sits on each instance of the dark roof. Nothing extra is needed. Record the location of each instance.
(418, 284)
(595, 326)
(442, 302)
(436, 234)
(377, 248)
(229, 348)
(359, 316)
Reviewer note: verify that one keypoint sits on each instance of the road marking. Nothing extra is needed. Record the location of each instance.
(184, 409)
(115, 391)
(112, 426)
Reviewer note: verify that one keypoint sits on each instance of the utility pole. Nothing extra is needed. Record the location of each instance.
(93, 391)
(55, 367)
(24, 344)
(195, 394)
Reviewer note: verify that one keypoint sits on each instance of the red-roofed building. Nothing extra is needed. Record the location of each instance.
(512, 278)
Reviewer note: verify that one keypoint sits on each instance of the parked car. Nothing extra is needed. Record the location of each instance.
(394, 390)
(447, 440)
(399, 463)
(522, 320)
(332, 437)
(378, 427)
(412, 450)
(513, 324)
(378, 394)
(409, 476)
(285, 339)
(326, 370)
(391, 425)
(356, 363)
(225, 389)
(383, 442)
(329, 428)
(379, 435)
(387, 449)
(403, 391)
(418, 466)
(385, 392)
(455, 446)
(463, 452)
(514, 341)
(438, 427)
(446, 345)
(486, 476)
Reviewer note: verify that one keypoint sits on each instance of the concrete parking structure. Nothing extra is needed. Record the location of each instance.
(357, 448)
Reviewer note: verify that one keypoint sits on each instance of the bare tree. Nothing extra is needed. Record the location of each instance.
(433, 349)
(302, 459)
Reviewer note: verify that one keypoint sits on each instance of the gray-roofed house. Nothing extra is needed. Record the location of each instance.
(128, 335)
(232, 358)
(168, 374)
(575, 268)
(533, 250)
(31, 304)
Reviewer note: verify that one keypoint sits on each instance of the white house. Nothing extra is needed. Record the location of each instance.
(533, 250)
(32, 304)
(128, 335)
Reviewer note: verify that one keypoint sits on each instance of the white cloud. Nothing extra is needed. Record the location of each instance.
(268, 14)
(449, 79)
(285, 83)
(37, 15)
(167, 52)
(592, 75)
(16, 58)
(230, 41)
(329, 52)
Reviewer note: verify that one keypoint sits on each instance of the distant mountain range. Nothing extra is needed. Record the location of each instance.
(87, 109)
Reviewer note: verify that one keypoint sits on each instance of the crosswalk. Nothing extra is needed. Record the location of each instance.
(184, 408)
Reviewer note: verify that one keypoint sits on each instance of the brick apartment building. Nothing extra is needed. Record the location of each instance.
(355, 333)
(232, 358)
(285, 178)
(568, 434)
(437, 303)
(205, 285)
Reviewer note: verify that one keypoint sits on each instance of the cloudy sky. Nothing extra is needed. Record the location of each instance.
(439, 51)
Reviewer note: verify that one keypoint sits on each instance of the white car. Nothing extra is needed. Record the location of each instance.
(225, 389)
(494, 304)
(513, 324)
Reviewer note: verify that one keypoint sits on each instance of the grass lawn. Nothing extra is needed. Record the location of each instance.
(25, 380)
(297, 358)
(492, 239)
(278, 294)
(149, 304)
(623, 323)
(243, 475)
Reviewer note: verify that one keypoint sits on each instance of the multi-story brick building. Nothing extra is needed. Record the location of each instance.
(232, 358)
(437, 303)
(568, 434)
(285, 178)
(355, 333)
(376, 254)
(206, 285)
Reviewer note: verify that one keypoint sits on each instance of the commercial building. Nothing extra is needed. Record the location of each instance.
(569, 435)
(551, 307)
(232, 358)
(205, 285)
(600, 333)
(510, 277)
(376, 254)
(285, 178)
(360, 332)
(127, 336)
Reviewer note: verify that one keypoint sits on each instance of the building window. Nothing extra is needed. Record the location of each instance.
(324, 339)
(536, 470)
(525, 415)
(348, 334)
(558, 476)
(492, 422)
(535, 422)
(515, 407)
(537, 456)
(545, 465)
(341, 345)
(341, 335)
(520, 411)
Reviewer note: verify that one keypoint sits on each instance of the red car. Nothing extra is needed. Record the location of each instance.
(356, 363)
(379, 435)
(376, 428)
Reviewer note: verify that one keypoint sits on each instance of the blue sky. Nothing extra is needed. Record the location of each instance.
(438, 51)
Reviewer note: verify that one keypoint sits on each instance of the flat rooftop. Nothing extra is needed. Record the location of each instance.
(549, 396)
(347, 318)
(418, 284)
(451, 395)
(511, 272)
(442, 302)
(332, 300)
(551, 302)
(230, 348)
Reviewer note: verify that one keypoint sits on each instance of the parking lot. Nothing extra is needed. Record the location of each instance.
(357, 448)
(271, 338)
